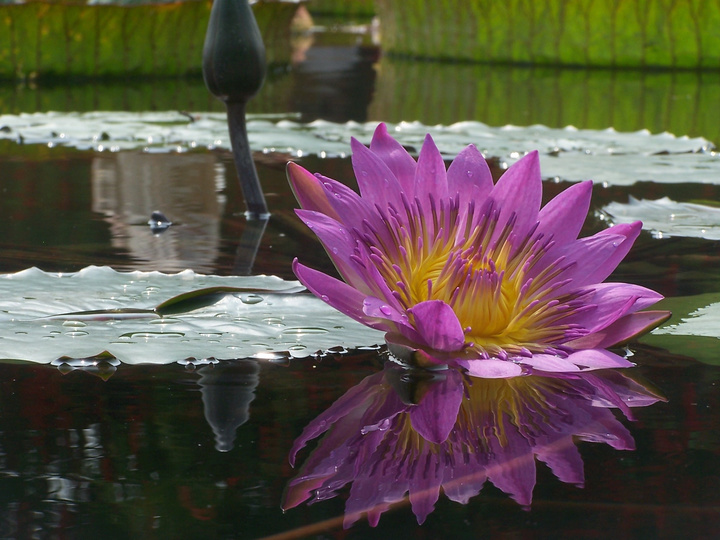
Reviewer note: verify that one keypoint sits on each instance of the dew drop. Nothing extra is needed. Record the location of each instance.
(469, 173)
(335, 250)
(74, 324)
(324, 297)
(385, 310)
(251, 299)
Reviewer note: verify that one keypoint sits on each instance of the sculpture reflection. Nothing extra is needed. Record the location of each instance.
(400, 432)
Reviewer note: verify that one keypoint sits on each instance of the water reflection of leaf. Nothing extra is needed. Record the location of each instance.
(461, 432)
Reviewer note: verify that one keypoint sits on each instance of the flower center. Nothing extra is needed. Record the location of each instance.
(486, 274)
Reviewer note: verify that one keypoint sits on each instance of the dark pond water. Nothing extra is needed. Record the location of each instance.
(136, 452)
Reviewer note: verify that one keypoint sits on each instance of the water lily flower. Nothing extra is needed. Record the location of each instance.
(457, 269)
(456, 432)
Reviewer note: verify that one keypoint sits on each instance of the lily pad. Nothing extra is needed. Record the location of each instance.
(571, 154)
(694, 329)
(100, 313)
(665, 217)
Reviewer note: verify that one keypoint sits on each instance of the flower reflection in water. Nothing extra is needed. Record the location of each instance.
(403, 432)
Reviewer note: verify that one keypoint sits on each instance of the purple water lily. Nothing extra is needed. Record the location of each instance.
(459, 270)
(458, 432)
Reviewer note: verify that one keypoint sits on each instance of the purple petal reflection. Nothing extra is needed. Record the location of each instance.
(401, 435)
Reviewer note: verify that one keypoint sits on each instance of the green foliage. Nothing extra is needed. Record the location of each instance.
(47, 39)
(628, 100)
(342, 7)
(628, 33)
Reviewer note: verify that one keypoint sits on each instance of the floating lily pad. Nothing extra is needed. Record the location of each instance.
(568, 153)
(666, 218)
(694, 329)
(98, 312)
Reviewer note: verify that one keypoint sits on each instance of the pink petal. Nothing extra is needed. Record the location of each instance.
(339, 295)
(382, 309)
(612, 301)
(395, 157)
(348, 205)
(377, 183)
(491, 368)
(438, 325)
(309, 192)
(630, 232)
(622, 330)
(519, 192)
(339, 244)
(430, 175)
(563, 217)
(469, 176)
(591, 259)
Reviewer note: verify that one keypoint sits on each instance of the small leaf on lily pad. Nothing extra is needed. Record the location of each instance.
(200, 298)
(104, 315)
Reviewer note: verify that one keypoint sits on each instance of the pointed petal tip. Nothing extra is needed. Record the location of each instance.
(381, 130)
(354, 144)
(293, 170)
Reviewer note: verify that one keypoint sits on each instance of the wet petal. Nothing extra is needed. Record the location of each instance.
(469, 176)
(339, 295)
(350, 208)
(382, 309)
(339, 244)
